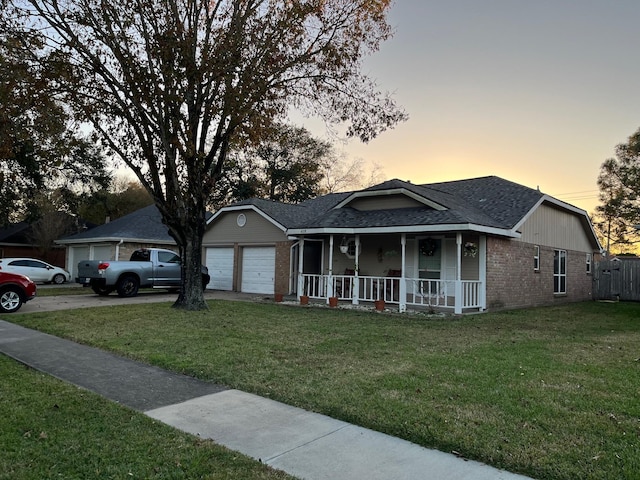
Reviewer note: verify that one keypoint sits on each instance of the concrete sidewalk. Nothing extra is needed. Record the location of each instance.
(304, 444)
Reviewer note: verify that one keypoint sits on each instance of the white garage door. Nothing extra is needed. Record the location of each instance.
(219, 261)
(76, 254)
(104, 253)
(258, 269)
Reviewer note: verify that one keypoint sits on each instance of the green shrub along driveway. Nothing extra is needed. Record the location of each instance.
(551, 393)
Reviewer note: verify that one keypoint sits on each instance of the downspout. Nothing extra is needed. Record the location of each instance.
(118, 249)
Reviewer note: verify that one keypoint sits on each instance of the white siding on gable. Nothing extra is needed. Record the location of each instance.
(384, 202)
(553, 227)
(255, 229)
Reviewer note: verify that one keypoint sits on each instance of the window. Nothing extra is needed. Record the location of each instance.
(588, 263)
(559, 271)
(536, 258)
(168, 257)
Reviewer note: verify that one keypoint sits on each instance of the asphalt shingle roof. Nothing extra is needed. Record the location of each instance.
(295, 216)
(144, 224)
(488, 201)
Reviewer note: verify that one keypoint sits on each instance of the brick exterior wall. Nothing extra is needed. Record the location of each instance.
(126, 249)
(283, 266)
(513, 283)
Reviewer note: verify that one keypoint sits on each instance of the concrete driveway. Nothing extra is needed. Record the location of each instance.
(90, 299)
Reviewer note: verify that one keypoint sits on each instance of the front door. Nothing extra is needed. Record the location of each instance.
(430, 258)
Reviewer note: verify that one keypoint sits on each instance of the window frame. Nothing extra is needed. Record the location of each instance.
(559, 272)
(589, 260)
(536, 258)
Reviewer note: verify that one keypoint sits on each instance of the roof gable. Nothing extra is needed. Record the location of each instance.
(389, 191)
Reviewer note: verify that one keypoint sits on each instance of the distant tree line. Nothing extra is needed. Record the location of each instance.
(617, 217)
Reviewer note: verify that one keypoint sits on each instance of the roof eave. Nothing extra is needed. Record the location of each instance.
(468, 227)
(114, 240)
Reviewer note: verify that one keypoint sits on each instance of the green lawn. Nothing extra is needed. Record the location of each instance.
(553, 393)
(52, 430)
(52, 291)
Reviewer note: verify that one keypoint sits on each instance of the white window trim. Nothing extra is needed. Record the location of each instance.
(589, 263)
(536, 258)
(559, 275)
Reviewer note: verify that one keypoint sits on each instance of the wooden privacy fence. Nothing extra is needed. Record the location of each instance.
(617, 280)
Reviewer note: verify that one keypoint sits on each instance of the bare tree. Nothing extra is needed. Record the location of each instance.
(341, 174)
(168, 85)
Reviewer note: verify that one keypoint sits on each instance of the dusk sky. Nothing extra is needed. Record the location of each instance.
(539, 93)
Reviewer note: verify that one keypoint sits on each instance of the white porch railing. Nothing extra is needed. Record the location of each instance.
(419, 291)
(442, 293)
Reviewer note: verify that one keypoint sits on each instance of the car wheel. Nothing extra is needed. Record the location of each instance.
(205, 281)
(58, 279)
(128, 286)
(102, 291)
(10, 300)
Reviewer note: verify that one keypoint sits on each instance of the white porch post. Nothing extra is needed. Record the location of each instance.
(482, 271)
(402, 307)
(356, 281)
(458, 289)
(300, 268)
(331, 286)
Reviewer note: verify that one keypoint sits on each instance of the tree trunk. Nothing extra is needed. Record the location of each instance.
(191, 292)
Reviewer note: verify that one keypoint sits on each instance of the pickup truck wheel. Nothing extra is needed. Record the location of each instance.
(103, 291)
(10, 300)
(205, 281)
(128, 286)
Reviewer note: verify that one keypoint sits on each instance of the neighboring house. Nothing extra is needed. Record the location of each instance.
(35, 240)
(116, 240)
(468, 245)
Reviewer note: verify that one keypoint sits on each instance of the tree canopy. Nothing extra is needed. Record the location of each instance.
(618, 215)
(40, 147)
(286, 166)
(169, 85)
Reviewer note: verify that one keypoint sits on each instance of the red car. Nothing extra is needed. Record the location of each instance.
(14, 291)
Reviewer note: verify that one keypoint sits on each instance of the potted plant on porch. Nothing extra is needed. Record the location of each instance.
(379, 304)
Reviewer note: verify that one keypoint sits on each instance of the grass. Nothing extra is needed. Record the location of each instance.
(56, 291)
(551, 392)
(49, 429)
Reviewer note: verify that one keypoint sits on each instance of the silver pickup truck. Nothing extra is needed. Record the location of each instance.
(147, 268)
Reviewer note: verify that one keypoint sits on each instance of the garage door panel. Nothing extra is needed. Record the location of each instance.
(219, 261)
(258, 270)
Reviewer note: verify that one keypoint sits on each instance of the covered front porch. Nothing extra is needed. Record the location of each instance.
(443, 270)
